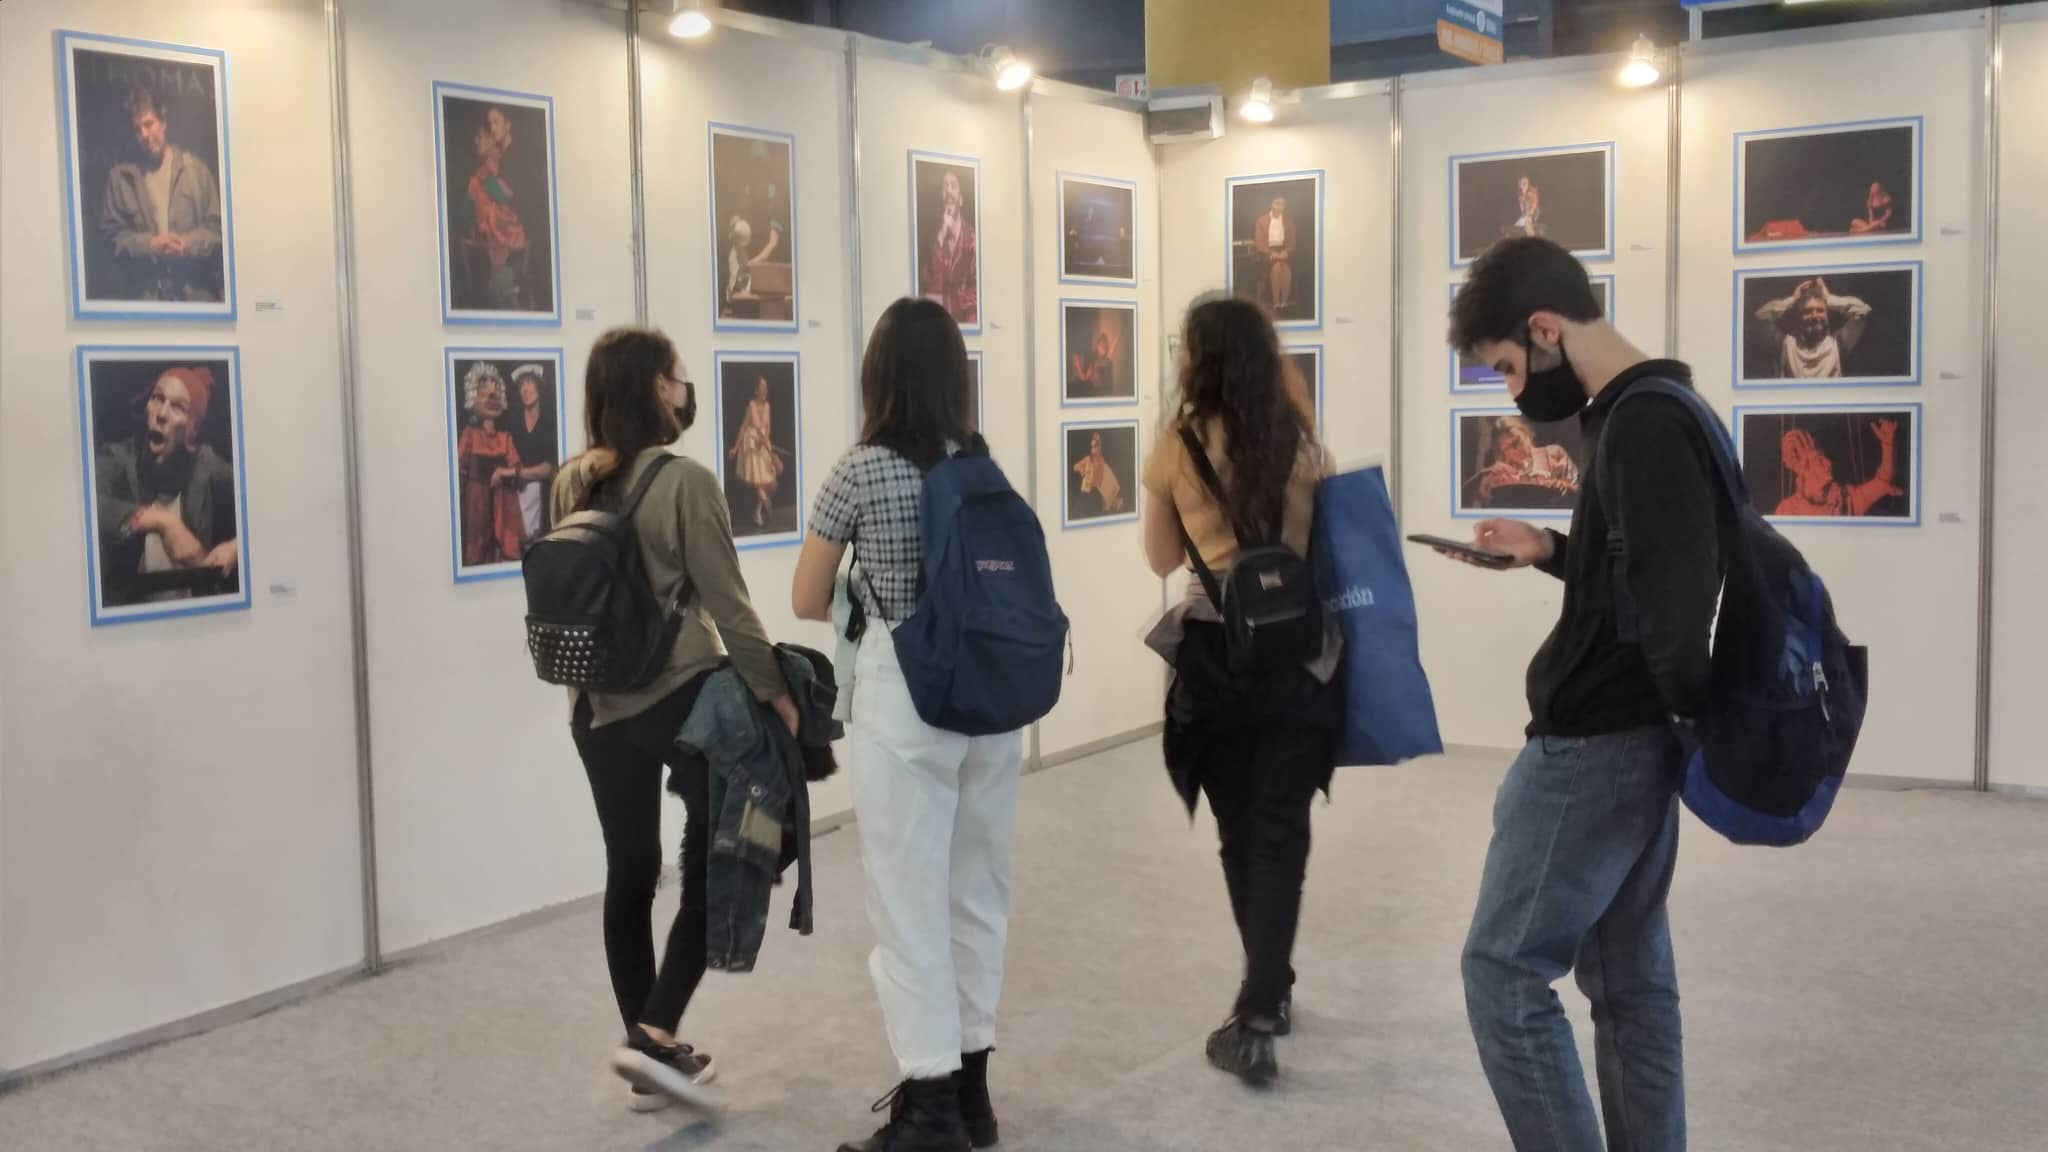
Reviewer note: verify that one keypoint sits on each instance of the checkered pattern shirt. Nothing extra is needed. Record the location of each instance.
(874, 500)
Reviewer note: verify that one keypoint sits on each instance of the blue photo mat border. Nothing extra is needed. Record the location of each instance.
(796, 296)
(85, 355)
(720, 447)
(1917, 408)
(1230, 185)
(980, 390)
(509, 568)
(484, 319)
(1132, 483)
(980, 217)
(1613, 161)
(1137, 352)
(1317, 383)
(1060, 182)
(229, 310)
(1500, 385)
(1736, 330)
(1489, 514)
(1880, 240)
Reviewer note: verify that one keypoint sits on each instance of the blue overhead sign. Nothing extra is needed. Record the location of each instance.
(1471, 30)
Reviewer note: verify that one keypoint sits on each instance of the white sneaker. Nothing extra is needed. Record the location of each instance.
(641, 1100)
(678, 1073)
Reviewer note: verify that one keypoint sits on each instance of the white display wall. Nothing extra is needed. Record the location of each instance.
(1348, 141)
(482, 809)
(686, 88)
(180, 816)
(2019, 632)
(1099, 568)
(178, 797)
(1910, 593)
(1480, 628)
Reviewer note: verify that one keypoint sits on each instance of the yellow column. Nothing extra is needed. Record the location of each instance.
(1230, 43)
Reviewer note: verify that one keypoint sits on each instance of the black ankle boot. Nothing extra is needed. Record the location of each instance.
(976, 1112)
(924, 1116)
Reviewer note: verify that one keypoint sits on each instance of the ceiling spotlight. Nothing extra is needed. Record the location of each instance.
(690, 22)
(1258, 107)
(1011, 72)
(1641, 70)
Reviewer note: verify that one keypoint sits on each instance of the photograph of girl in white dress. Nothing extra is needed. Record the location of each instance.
(759, 436)
(1102, 473)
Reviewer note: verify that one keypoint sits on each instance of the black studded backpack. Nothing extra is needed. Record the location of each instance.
(593, 620)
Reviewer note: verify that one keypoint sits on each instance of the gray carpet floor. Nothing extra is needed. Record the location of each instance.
(1881, 988)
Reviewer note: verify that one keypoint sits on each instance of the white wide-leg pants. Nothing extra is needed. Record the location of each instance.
(936, 812)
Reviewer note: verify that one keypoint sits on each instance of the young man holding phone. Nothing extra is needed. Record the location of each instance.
(1585, 833)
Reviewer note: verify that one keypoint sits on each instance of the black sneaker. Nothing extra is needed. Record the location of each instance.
(676, 1071)
(1244, 1048)
(977, 1112)
(1283, 1017)
(924, 1116)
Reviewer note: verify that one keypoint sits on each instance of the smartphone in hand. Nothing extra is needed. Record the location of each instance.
(1464, 551)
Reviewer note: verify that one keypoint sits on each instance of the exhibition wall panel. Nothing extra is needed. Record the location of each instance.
(482, 809)
(1764, 212)
(179, 752)
(1099, 339)
(2019, 633)
(958, 125)
(778, 144)
(1596, 159)
(1347, 142)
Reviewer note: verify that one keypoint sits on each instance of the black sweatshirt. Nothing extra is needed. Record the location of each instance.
(1662, 491)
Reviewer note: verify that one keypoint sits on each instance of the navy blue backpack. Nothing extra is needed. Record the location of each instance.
(983, 650)
(1770, 748)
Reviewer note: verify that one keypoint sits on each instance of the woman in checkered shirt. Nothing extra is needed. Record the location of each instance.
(936, 808)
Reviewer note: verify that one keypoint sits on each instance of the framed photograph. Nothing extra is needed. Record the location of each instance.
(1829, 185)
(1276, 244)
(977, 391)
(1470, 374)
(753, 229)
(1833, 463)
(1308, 363)
(945, 234)
(506, 441)
(1565, 194)
(758, 416)
(1101, 458)
(500, 242)
(166, 507)
(1099, 230)
(1098, 352)
(146, 179)
(1504, 464)
(1845, 326)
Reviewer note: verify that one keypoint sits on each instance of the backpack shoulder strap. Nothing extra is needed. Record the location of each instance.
(1720, 444)
(646, 482)
(1214, 483)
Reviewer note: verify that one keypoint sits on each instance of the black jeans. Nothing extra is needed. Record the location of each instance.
(1260, 747)
(624, 761)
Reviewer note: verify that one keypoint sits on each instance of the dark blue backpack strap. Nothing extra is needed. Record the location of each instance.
(1720, 445)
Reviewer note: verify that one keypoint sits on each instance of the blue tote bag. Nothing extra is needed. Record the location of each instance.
(1389, 714)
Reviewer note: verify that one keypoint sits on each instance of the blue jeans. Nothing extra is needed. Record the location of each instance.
(1585, 838)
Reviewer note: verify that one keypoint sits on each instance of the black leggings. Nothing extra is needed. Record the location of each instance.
(624, 761)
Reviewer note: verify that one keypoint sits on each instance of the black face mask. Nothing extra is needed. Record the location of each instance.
(687, 414)
(1551, 393)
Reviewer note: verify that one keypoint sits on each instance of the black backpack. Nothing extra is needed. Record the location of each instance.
(593, 620)
(1272, 613)
(1789, 691)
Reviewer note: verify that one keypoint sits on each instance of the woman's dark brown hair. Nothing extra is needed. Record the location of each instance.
(914, 382)
(1233, 373)
(623, 414)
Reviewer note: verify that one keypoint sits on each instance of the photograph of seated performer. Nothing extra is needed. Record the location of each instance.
(751, 175)
(1275, 245)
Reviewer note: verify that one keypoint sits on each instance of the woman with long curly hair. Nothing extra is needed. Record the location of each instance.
(1258, 745)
